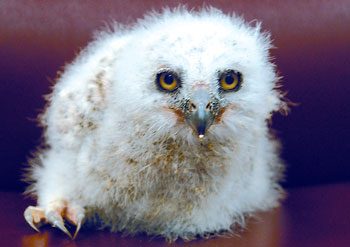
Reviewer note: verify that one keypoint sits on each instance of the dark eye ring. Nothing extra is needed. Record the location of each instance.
(230, 81)
(167, 81)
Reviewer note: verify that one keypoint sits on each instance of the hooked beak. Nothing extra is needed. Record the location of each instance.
(200, 112)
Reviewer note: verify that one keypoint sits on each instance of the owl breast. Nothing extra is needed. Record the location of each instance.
(168, 175)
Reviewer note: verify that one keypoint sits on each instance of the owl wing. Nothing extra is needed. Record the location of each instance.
(76, 106)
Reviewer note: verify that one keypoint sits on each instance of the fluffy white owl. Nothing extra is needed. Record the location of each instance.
(162, 128)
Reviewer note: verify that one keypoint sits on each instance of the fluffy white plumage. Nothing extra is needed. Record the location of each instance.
(121, 151)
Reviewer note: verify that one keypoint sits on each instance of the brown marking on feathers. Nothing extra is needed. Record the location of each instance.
(178, 114)
(220, 114)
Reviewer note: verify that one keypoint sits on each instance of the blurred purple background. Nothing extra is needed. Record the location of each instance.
(313, 55)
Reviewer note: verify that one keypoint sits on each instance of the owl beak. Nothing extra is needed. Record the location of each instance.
(199, 113)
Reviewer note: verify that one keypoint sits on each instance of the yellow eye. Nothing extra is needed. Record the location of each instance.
(167, 81)
(230, 81)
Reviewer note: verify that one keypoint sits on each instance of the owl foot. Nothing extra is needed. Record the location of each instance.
(55, 214)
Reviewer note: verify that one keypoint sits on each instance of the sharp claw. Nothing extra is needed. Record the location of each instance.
(30, 219)
(77, 230)
(80, 221)
(57, 221)
(60, 225)
(33, 226)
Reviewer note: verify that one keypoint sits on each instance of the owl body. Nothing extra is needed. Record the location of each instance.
(124, 144)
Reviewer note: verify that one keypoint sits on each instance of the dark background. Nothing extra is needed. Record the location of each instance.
(313, 52)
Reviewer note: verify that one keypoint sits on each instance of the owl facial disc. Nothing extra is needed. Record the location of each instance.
(200, 112)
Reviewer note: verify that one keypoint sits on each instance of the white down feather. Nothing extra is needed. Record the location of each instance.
(116, 149)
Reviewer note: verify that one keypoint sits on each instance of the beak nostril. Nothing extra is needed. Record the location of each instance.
(209, 106)
(193, 106)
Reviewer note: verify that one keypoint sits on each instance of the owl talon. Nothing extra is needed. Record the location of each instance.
(29, 218)
(76, 215)
(57, 221)
(33, 216)
(60, 225)
(79, 221)
(77, 229)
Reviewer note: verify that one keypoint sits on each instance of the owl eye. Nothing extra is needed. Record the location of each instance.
(230, 81)
(168, 81)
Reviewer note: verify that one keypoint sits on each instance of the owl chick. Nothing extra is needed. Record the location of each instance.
(161, 128)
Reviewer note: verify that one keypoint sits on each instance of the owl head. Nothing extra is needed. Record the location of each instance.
(196, 75)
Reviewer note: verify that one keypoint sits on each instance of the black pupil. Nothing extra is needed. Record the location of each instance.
(229, 79)
(169, 79)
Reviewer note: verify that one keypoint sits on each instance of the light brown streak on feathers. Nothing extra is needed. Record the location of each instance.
(178, 114)
(221, 112)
